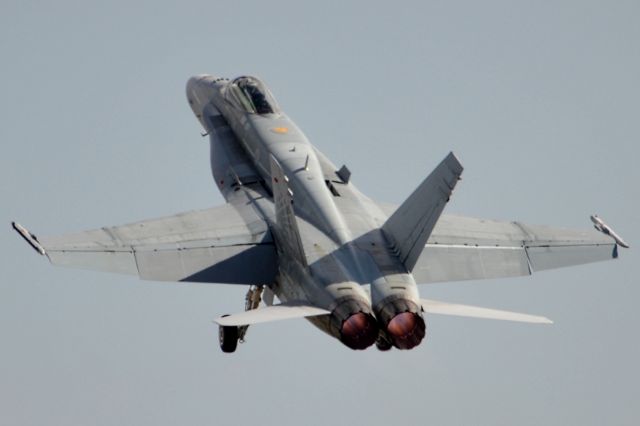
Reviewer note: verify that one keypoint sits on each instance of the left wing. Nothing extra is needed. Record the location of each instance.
(217, 245)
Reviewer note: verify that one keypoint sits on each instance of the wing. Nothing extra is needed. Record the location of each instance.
(464, 248)
(220, 245)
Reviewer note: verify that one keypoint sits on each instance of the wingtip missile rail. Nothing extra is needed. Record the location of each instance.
(601, 226)
(29, 238)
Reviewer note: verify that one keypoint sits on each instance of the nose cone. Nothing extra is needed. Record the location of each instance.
(196, 80)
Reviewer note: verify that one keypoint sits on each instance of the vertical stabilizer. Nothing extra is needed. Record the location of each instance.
(286, 230)
(411, 224)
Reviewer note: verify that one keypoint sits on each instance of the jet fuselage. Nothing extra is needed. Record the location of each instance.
(345, 250)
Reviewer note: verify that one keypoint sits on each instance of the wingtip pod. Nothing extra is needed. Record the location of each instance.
(28, 237)
(601, 226)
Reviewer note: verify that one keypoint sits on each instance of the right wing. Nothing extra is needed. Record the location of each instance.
(465, 248)
(214, 246)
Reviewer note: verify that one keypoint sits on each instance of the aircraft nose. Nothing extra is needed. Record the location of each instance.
(194, 86)
(195, 80)
(191, 84)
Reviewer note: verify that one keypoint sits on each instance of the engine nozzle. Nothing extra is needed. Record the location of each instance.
(359, 331)
(355, 324)
(403, 322)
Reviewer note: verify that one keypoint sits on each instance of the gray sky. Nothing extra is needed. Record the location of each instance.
(538, 99)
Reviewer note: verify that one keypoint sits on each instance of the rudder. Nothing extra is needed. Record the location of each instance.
(410, 226)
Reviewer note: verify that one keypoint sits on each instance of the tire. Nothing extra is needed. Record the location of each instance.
(228, 338)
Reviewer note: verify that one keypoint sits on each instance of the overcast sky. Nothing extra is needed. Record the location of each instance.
(539, 100)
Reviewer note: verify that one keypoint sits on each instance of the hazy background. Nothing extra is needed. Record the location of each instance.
(540, 101)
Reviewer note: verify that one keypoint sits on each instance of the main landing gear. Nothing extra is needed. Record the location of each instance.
(230, 335)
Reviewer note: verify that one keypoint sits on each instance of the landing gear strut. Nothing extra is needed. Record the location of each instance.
(229, 335)
(252, 301)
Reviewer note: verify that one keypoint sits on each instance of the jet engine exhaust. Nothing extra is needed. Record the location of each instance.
(407, 330)
(359, 331)
(353, 322)
(402, 320)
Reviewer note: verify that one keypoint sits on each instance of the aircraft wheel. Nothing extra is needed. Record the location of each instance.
(228, 337)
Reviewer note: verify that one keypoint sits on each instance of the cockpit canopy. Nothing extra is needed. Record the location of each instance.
(253, 96)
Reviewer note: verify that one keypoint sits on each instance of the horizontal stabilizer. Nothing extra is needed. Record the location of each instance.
(288, 310)
(443, 308)
(410, 226)
(599, 224)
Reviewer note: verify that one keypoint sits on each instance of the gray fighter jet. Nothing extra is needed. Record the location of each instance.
(296, 227)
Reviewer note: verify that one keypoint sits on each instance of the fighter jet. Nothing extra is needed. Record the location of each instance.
(295, 228)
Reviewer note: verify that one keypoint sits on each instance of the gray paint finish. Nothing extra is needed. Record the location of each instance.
(539, 100)
(299, 227)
